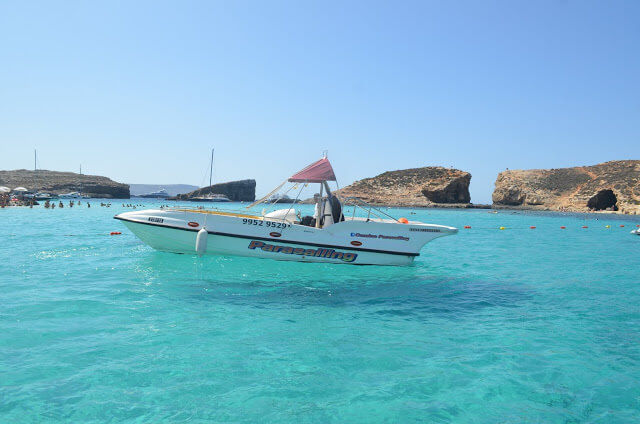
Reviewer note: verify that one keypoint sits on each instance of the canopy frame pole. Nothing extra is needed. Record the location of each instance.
(257, 202)
(320, 209)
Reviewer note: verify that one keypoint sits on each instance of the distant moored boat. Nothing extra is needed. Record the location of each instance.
(160, 194)
(72, 195)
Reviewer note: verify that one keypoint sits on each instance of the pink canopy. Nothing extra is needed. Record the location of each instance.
(317, 172)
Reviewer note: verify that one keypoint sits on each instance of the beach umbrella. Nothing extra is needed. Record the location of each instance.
(4, 189)
(20, 189)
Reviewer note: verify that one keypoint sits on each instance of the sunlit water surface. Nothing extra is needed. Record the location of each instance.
(488, 326)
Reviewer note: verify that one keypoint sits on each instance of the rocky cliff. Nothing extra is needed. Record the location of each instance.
(611, 185)
(238, 191)
(428, 186)
(63, 182)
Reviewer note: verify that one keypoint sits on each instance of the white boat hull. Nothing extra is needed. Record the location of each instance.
(354, 241)
(70, 196)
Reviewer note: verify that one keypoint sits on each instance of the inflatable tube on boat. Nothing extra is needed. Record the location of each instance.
(288, 214)
(201, 242)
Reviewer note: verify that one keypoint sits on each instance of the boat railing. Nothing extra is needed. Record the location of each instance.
(369, 209)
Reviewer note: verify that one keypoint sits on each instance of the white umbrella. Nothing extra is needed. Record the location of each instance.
(20, 189)
(4, 189)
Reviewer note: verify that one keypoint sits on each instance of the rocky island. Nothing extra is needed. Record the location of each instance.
(236, 191)
(55, 182)
(416, 187)
(612, 186)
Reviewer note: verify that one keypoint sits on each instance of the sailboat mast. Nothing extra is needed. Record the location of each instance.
(211, 170)
(35, 170)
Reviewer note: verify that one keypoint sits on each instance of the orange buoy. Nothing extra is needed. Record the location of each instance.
(584, 226)
(621, 226)
(115, 233)
(563, 228)
(533, 227)
(403, 220)
(467, 226)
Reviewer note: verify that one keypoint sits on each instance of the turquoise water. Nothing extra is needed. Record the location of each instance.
(488, 326)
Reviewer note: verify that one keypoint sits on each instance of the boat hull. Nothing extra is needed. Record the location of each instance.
(181, 241)
(355, 242)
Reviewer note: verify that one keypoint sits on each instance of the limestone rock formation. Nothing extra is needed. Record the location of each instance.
(613, 185)
(55, 182)
(237, 191)
(428, 186)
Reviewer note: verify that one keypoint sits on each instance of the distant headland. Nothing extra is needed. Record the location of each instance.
(236, 191)
(611, 186)
(55, 182)
(608, 186)
(417, 187)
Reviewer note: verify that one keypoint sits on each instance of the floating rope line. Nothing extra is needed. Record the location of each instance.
(534, 227)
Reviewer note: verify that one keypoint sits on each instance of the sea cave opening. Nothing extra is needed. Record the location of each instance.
(604, 199)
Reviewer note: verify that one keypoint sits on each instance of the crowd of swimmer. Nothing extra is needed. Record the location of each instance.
(7, 200)
(52, 205)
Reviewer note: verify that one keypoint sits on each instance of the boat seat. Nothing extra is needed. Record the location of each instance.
(308, 221)
(336, 209)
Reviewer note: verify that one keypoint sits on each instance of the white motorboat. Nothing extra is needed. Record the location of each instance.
(71, 195)
(211, 197)
(40, 196)
(160, 194)
(636, 232)
(281, 198)
(328, 236)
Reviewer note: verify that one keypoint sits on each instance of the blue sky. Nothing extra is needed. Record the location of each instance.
(141, 91)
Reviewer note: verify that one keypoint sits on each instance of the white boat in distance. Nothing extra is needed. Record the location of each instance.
(72, 195)
(329, 236)
(211, 197)
(40, 196)
(160, 194)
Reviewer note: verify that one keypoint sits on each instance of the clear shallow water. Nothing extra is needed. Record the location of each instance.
(488, 326)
